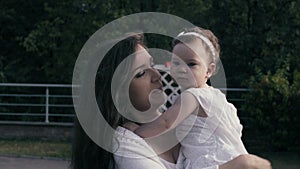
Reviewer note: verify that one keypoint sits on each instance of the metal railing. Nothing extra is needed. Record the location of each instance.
(33, 103)
(53, 104)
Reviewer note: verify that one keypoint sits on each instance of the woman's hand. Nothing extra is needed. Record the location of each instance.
(247, 161)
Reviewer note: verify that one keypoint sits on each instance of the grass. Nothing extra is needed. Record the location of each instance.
(36, 148)
(279, 160)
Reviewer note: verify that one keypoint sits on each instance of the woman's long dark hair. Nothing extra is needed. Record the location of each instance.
(85, 153)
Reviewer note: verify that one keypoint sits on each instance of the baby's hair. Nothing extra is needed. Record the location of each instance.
(189, 35)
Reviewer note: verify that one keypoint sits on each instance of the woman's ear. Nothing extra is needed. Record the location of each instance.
(210, 70)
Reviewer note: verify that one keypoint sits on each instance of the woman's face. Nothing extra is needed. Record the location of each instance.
(145, 79)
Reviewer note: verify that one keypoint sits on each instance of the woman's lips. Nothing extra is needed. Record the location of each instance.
(161, 87)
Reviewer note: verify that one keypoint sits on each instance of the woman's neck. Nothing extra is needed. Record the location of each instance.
(171, 155)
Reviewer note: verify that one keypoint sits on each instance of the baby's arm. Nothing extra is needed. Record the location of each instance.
(185, 105)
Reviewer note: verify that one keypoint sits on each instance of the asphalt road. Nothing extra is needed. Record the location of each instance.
(7, 162)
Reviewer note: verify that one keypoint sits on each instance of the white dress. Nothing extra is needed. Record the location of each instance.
(213, 140)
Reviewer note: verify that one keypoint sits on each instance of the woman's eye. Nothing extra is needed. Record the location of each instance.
(191, 64)
(140, 74)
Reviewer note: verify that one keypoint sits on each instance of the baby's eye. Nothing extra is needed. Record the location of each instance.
(191, 64)
(140, 74)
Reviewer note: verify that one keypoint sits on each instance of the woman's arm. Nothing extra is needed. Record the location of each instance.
(185, 105)
(144, 163)
(247, 161)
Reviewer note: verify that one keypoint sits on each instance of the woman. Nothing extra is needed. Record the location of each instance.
(129, 148)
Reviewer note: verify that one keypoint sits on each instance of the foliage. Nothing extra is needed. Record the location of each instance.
(40, 41)
(43, 38)
(274, 106)
(275, 73)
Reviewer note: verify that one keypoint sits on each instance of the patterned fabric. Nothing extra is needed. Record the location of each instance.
(213, 140)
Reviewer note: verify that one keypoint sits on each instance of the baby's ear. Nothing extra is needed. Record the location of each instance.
(211, 69)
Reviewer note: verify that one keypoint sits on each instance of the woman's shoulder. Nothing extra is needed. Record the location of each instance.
(122, 131)
(127, 142)
(130, 151)
(123, 135)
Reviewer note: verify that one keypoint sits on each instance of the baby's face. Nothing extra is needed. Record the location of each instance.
(189, 67)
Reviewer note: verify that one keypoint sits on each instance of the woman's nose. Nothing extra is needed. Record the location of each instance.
(155, 75)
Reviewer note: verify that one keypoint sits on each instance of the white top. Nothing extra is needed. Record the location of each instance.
(131, 152)
(211, 140)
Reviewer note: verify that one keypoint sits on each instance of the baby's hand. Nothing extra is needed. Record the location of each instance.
(131, 126)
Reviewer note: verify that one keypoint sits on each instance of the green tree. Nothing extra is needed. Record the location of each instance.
(275, 75)
(16, 20)
(274, 106)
